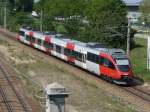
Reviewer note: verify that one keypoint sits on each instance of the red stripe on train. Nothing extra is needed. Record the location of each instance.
(71, 47)
(31, 34)
(48, 40)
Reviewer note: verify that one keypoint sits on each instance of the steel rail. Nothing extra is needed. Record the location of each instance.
(141, 94)
(5, 100)
(14, 90)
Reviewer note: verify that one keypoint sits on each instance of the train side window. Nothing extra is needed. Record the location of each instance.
(79, 57)
(58, 48)
(50, 45)
(67, 51)
(27, 37)
(32, 39)
(21, 33)
(89, 56)
(39, 41)
(106, 62)
(101, 60)
(46, 44)
(93, 57)
(74, 54)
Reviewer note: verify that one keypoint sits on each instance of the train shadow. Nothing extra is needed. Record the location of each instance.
(136, 82)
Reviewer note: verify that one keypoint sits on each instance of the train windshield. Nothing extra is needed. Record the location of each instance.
(123, 64)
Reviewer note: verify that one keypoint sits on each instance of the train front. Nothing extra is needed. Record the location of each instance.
(124, 69)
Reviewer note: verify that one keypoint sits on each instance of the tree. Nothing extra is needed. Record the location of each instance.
(24, 5)
(145, 9)
(106, 22)
(90, 20)
(20, 19)
(70, 10)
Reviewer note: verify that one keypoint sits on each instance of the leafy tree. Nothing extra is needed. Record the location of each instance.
(24, 5)
(69, 10)
(89, 20)
(20, 19)
(145, 9)
(106, 22)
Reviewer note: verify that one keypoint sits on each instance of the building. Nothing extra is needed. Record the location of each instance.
(133, 9)
(35, 1)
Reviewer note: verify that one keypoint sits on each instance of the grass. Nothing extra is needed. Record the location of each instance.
(3, 42)
(139, 59)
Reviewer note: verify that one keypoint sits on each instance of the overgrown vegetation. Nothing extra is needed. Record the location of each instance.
(91, 20)
(145, 11)
(139, 59)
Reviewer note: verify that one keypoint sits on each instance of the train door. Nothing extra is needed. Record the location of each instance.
(84, 59)
(27, 39)
(92, 63)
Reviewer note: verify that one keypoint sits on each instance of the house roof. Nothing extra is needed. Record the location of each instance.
(132, 2)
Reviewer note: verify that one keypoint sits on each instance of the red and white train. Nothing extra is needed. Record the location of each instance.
(112, 64)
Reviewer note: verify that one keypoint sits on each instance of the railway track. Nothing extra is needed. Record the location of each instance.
(5, 101)
(134, 91)
(10, 98)
(142, 94)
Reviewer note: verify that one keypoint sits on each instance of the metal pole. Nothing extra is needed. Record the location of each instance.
(41, 25)
(148, 52)
(5, 15)
(128, 37)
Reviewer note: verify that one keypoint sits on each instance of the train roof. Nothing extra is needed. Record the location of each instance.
(99, 47)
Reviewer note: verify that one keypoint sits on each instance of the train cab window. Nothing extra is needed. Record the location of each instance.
(123, 64)
(21, 33)
(39, 41)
